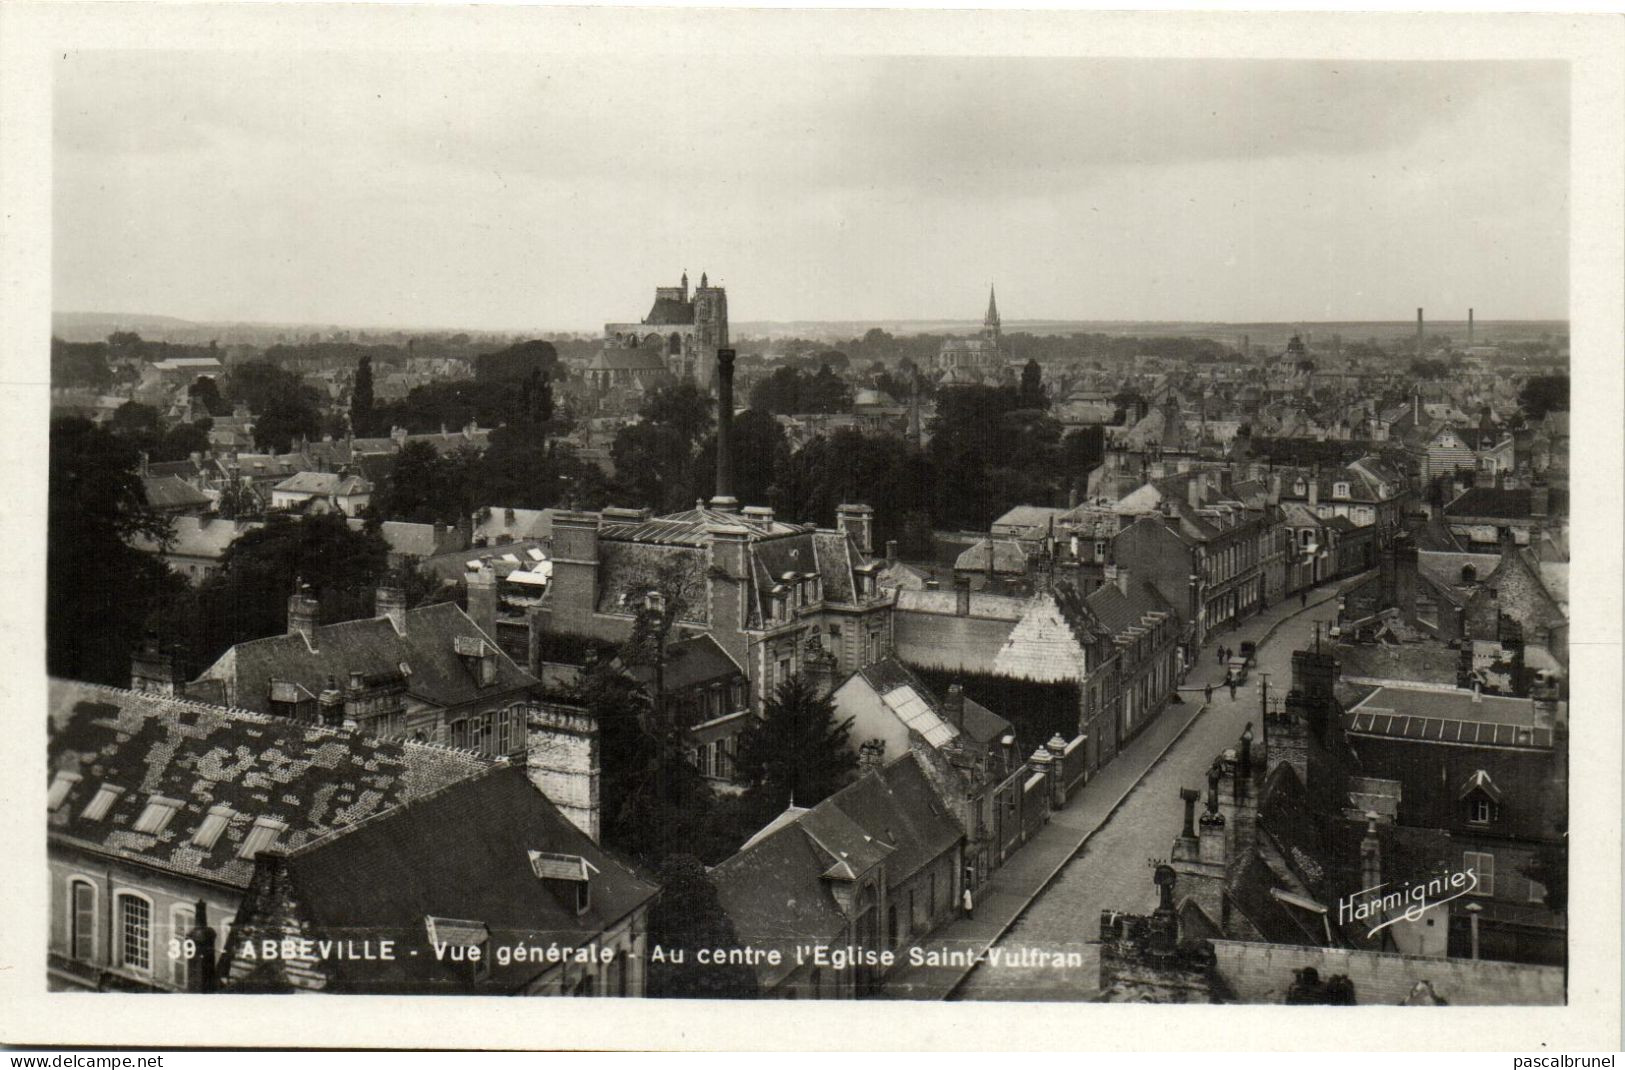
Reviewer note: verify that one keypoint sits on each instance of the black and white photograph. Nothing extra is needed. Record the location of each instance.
(678, 519)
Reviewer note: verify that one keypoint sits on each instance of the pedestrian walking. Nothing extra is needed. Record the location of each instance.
(1207, 693)
(969, 904)
(1232, 691)
(1303, 599)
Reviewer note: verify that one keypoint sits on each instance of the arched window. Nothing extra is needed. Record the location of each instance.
(135, 931)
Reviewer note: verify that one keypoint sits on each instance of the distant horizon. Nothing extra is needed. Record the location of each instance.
(115, 320)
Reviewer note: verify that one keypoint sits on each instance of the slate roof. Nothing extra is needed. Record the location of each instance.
(669, 312)
(323, 484)
(1118, 612)
(464, 853)
(689, 662)
(617, 358)
(197, 536)
(313, 779)
(171, 492)
(1008, 557)
(918, 707)
(777, 889)
(437, 675)
(414, 540)
(1496, 502)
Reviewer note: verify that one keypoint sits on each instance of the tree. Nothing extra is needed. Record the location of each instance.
(80, 364)
(285, 407)
(1543, 394)
(689, 917)
(1033, 395)
(247, 598)
(124, 340)
(361, 398)
(518, 363)
(100, 591)
(421, 488)
(797, 749)
(205, 394)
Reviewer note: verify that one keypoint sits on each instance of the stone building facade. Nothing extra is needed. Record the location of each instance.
(683, 330)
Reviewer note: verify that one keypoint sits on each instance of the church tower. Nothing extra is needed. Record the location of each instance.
(710, 330)
(990, 322)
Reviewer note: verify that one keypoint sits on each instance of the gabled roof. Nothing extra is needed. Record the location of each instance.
(171, 492)
(324, 484)
(462, 852)
(691, 662)
(438, 674)
(670, 312)
(238, 765)
(1118, 611)
(617, 358)
(1008, 557)
(1496, 502)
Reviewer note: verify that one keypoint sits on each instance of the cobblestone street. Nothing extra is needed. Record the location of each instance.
(1111, 871)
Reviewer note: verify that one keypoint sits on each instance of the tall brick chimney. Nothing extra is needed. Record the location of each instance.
(1419, 332)
(724, 499)
(1469, 326)
(482, 599)
(390, 603)
(303, 610)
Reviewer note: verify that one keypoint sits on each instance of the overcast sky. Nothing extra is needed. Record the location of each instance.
(495, 192)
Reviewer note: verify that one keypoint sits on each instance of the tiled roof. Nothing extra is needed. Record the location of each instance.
(463, 852)
(312, 779)
(437, 675)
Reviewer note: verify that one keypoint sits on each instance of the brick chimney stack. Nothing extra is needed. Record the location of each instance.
(1469, 327)
(303, 611)
(1419, 341)
(482, 599)
(390, 603)
(724, 500)
(857, 521)
(954, 705)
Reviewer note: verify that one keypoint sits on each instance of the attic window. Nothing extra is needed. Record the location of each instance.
(566, 874)
(103, 802)
(156, 817)
(261, 836)
(1340, 490)
(61, 784)
(472, 938)
(208, 833)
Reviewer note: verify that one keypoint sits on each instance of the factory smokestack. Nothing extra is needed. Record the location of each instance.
(724, 498)
(1419, 332)
(1469, 326)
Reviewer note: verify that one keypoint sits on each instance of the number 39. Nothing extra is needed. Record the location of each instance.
(183, 949)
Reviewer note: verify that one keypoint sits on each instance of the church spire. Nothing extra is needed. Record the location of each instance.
(991, 320)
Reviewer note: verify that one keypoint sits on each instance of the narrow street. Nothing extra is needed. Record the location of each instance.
(1111, 871)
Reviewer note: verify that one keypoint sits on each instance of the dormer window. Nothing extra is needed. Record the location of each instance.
(156, 817)
(214, 823)
(261, 837)
(567, 876)
(61, 784)
(461, 940)
(106, 795)
(1340, 490)
(1480, 810)
(1300, 488)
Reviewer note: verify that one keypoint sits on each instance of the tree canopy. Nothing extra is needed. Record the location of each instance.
(797, 750)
